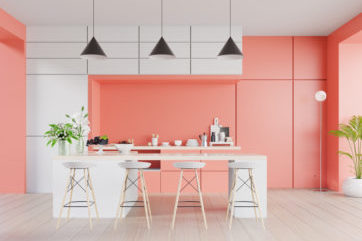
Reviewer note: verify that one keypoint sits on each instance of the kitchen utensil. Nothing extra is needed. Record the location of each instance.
(124, 148)
(178, 142)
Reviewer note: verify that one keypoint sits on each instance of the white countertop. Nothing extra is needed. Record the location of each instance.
(115, 156)
(179, 148)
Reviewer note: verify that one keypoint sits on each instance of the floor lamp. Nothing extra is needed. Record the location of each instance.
(320, 96)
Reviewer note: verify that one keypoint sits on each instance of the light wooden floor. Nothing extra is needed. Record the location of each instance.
(293, 215)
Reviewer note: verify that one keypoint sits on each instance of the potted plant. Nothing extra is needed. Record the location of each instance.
(61, 134)
(352, 132)
(80, 124)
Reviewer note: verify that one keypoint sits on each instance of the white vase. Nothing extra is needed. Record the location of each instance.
(352, 187)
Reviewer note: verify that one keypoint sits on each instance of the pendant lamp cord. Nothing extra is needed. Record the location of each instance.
(230, 18)
(93, 19)
(161, 18)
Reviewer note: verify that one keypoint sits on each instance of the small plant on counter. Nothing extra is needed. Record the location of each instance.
(61, 134)
(80, 123)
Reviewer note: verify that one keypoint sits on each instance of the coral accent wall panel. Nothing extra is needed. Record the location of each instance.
(306, 134)
(267, 58)
(12, 105)
(174, 111)
(310, 57)
(264, 114)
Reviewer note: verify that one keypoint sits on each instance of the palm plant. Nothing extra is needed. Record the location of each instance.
(352, 132)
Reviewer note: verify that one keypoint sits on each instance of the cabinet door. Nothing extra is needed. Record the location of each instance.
(306, 134)
(215, 33)
(310, 57)
(114, 33)
(180, 33)
(172, 66)
(170, 180)
(50, 97)
(56, 66)
(214, 182)
(181, 50)
(267, 58)
(265, 126)
(56, 34)
(153, 181)
(39, 165)
(216, 66)
(54, 50)
(113, 66)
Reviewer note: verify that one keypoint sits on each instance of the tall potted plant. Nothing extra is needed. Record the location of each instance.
(63, 134)
(352, 132)
(80, 124)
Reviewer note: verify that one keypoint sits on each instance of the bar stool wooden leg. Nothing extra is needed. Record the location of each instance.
(201, 200)
(87, 194)
(119, 212)
(232, 203)
(93, 194)
(177, 199)
(257, 198)
(253, 195)
(71, 192)
(63, 201)
(144, 198)
(230, 194)
(147, 198)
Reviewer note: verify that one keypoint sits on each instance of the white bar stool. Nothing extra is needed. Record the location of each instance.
(250, 183)
(72, 183)
(188, 166)
(139, 166)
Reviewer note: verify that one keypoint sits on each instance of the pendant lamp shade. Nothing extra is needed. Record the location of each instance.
(162, 50)
(230, 51)
(93, 51)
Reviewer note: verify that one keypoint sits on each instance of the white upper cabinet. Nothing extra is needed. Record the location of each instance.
(49, 97)
(56, 66)
(114, 33)
(54, 50)
(208, 50)
(216, 67)
(160, 66)
(120, 50)
(215, 33)
(59, 34)
(113, 66)
(177, 33)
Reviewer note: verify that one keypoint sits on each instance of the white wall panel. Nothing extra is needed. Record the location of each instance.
(212, 33)
(56, 33)
(50, 97)
(216, 66)
(114, 33)
(181, 50)
(56, 66)
(172, 66)
(54, 50)
(113, 66)
(207, 50)
(180, 33)
(120, 50)
(39, 163)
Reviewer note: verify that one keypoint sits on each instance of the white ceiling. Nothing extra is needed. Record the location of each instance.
(258, 17)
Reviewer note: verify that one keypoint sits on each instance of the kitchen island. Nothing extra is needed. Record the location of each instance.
(107, 178)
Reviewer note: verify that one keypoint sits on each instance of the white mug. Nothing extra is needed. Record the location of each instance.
(154, 141)
(222, 136)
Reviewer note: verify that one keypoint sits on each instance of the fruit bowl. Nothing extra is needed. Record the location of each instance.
(124, 148)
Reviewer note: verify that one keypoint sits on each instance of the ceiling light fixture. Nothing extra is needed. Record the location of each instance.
(162, 50)
(93, 50)
(230, 49)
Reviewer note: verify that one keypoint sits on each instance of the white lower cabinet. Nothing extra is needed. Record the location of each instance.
(50, 97)
(39, 159)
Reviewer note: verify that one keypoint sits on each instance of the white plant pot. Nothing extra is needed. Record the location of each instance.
(352, 187)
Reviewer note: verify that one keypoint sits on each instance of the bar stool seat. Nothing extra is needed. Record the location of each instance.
(72, 183)
(188, 166)
(235, 187)
(135, 166)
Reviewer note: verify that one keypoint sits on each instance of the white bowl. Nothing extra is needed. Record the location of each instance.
(192, 142)
(165, 143)
(124, 148)
(178, 142)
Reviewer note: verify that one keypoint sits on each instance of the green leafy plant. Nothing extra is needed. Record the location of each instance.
(60, 132)
(352, 132)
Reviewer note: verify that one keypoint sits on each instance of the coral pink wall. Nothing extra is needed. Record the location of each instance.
(334, 108)
(12, 105)
(350, 97)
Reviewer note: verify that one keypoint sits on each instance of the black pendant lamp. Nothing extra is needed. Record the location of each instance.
(162, 50)
(230, 49)
(93, 50)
